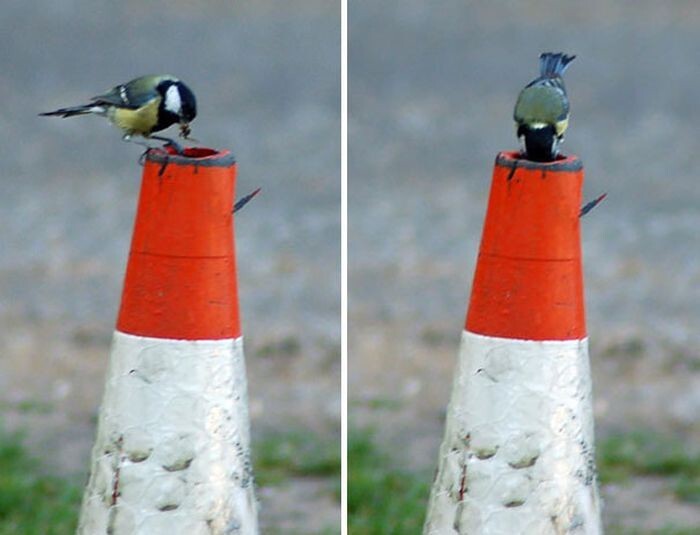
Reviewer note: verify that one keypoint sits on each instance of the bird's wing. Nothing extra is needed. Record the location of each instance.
(121, 97)
(541, 103)
(134, 94)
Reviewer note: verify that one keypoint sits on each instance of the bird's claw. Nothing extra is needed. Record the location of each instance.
(176, 147)
(170, 143)
(144, 155)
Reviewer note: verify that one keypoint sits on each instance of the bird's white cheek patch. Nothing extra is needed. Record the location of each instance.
(173, 102)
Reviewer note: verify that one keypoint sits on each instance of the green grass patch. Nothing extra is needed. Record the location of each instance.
(32, 503)
(298, 453)
(386, 500)
(623, 456)
(382, 498)
(379, 403)
(27, 406)
(687, 488)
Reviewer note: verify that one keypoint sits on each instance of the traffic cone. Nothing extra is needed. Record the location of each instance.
(518, 452)
(172, 448)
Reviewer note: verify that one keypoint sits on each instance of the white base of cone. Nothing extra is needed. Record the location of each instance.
(518, 455)
(172, 448)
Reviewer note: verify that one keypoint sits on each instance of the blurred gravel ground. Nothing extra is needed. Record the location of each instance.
(432, 88)
(267, 78)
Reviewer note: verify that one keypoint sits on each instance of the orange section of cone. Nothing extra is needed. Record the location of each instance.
(181, 276)
(528, 282)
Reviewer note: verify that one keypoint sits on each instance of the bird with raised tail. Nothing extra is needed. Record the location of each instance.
(542, 110)
(142, 106)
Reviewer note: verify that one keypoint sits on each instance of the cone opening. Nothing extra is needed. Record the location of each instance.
(513, 159)
(194, 152)
(200, 156)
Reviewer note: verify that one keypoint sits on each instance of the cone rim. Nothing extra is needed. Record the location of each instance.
(513, 159)
(205, 157)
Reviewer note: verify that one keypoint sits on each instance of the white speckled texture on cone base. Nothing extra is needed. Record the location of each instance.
(172, 452)
(518, 455)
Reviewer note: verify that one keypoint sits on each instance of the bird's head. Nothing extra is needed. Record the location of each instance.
(179, 100)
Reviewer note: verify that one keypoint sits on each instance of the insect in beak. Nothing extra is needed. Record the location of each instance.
(185, 130)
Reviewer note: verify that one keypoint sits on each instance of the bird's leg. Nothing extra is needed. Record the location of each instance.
(174, 144)
(129, 139)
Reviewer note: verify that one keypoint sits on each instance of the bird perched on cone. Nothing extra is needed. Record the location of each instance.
(142, 106)
(542, 109)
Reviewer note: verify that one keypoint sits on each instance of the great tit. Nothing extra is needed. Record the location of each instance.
(542, 110)
(142, 106)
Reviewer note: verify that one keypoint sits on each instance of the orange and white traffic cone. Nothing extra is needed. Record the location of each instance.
(172, 449)
(518, 452)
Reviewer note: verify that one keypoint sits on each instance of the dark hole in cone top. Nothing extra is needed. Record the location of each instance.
(197, 156)
(519, 156)
(515, 159)
(196, 152)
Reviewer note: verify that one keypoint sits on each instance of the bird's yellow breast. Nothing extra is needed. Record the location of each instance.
(138, 121)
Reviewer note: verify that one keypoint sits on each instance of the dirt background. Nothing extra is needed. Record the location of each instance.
(432, 88)
(267, 78)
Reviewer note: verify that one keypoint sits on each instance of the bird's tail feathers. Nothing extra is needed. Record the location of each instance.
(554, 64)
(75, 110)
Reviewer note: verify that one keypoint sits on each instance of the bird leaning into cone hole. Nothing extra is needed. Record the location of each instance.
(141, 107)
(542, 110)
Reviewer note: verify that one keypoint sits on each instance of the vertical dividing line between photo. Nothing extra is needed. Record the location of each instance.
(344, 263)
